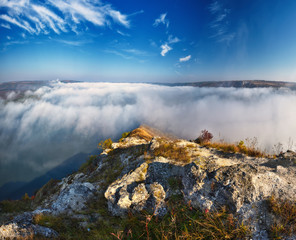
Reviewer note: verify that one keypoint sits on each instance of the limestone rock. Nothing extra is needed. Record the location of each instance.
(73, 197)
(22, 227)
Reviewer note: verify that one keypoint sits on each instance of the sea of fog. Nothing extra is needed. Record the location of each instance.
(57, 121)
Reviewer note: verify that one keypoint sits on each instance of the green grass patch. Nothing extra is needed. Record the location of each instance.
(183, 222)
(16, 206)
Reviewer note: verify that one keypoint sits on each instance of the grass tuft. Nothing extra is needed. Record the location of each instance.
(172, 151)
(285, 218)
(235, 148)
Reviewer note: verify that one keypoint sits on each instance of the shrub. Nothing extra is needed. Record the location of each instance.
(124, 135)
(106, 144)
(26, 197)
(204, 137)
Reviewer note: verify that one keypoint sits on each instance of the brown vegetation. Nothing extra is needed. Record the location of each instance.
(285, 217)
(239, 148)
(141, 133)
(171, 150)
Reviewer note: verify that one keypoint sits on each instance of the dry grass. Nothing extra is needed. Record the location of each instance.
(141, 133)
(170, 150)
(232, 148)
(285, 218)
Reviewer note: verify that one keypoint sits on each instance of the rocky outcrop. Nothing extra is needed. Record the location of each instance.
(145, 169)
(22, 227)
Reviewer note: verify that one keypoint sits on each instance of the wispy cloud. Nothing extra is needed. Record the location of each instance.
(5, 25)
(136, 52)
(120, 54)
(172, 39)
(130, 53)
(24, 25)
(220, 23)
(72, 43)
(123, 34)
(11, 43)
(94, 12)
(165, 49)
(161, 20)
(185, 59)
(50, 19)
(215, 7)
(59, 15)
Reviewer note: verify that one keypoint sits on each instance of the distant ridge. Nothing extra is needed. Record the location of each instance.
(238, 84)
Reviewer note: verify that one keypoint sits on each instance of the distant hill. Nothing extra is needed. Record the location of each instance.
(238, 84)
(22, 86)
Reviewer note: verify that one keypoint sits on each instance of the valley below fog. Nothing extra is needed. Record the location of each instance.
(45, 126)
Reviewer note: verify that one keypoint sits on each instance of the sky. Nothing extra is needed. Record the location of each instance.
(147, 41)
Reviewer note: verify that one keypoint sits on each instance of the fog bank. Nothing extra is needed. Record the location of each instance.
(55, 122)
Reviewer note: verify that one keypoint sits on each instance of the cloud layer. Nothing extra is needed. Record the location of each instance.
(56, 122)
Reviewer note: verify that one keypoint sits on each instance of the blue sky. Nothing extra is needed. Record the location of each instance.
(147, 41)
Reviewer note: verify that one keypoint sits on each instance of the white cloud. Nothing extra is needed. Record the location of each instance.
(220, 23)
(25, 25)
(172, 39)
(8, 37)
(37, 19)
(165, 49)
(125, 56)
(215, 7)
(123, 34)
(97, 14)
(162, 19)
(119, 18)
(72, 43)
(185, 59)
(57, 122)
(136, 52)
(50, 19)
(5, 25)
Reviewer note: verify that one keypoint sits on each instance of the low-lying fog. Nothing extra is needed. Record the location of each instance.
(56, 122)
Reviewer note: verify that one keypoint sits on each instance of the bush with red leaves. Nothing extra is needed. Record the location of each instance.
(204, 137)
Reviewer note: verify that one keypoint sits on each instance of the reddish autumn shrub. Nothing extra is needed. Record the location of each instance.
(204, 137)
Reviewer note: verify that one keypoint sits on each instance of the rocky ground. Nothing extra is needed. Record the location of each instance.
(147, 168)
